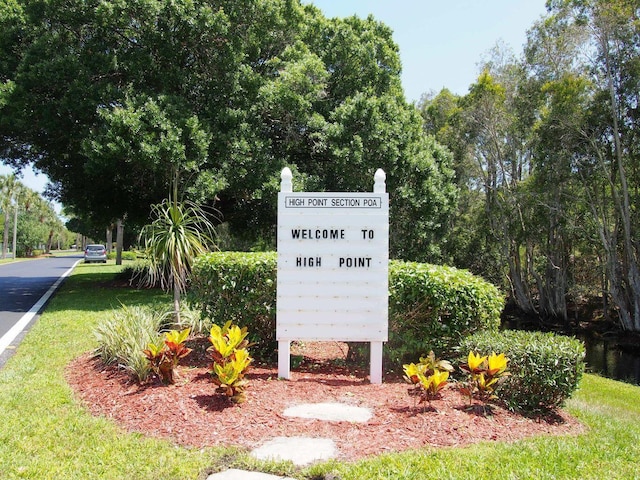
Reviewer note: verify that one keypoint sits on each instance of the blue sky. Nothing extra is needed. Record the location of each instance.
(441, 42)
(29, 178)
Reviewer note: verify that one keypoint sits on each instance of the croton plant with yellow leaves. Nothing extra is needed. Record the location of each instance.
(231, 360)
(431, 375)
(428, 377)
(164, 355)
(484, 375)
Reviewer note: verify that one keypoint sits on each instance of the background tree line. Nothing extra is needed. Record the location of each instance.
(29, 222)
(529, 179)
(546, 156)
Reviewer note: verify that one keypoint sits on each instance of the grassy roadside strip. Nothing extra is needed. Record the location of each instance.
(46, 434)
(4, 261)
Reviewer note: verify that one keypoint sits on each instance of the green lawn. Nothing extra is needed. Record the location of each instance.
(46, 434)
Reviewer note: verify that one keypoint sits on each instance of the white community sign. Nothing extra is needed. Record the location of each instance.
(333, 267)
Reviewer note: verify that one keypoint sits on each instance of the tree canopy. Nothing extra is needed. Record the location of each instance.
(113, 99)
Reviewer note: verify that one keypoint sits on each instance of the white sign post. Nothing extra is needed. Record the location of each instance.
(333, 267)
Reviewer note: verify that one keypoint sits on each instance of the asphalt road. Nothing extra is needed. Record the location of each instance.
(25, 286)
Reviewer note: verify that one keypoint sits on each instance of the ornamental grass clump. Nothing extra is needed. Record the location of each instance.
(428, 377)
(231, 360)
(125, 332)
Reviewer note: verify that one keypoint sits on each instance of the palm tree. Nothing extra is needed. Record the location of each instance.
(9, 188)
(37, 208)
(179, 232)
(55, 228)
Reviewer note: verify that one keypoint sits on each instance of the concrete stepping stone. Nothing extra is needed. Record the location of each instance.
(330, 411)
(235, 474)
(299, 450)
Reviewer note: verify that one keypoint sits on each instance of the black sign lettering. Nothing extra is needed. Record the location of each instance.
(354, 262)
(308, 261)
(317, 234)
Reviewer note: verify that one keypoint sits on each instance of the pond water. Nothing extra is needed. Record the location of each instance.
(612, 356)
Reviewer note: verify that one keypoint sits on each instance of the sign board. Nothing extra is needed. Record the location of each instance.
(333, 257)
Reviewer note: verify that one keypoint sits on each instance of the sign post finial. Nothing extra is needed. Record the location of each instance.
(380, 186)
(285, 180)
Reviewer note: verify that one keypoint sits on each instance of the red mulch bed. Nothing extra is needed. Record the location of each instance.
(190, 413)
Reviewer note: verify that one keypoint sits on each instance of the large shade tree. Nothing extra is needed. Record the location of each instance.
(603, 135)
(109, 98)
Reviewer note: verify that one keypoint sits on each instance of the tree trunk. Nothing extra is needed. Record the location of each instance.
(519, 288)
(15, 233)
(553, 286)
(119, 241)
(5, 236)
(109, 238)
(176, 303)
(49, 242)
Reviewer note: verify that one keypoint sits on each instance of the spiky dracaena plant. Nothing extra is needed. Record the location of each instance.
(179, 232)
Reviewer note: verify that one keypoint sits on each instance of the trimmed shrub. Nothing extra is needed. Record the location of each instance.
(239, 287)
(545, 368)
(126, 255)
(430, 307)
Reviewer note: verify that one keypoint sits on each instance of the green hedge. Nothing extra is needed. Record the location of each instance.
(434, 307)
(126, 255)
(240, 287)
(430, 307)
(545, 368)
